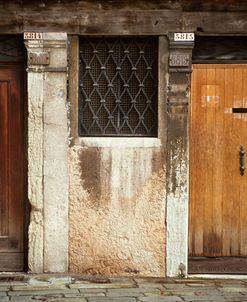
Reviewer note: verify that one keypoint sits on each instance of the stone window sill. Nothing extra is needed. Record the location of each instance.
(118, 142)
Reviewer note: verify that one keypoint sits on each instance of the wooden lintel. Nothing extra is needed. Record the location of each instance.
(114, 22)
(121, 22)
(215, 22)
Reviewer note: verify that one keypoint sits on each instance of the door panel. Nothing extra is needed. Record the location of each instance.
(218, 203)
(12, 167)
(243, 192)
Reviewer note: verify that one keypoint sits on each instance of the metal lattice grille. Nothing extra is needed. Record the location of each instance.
(118, 86)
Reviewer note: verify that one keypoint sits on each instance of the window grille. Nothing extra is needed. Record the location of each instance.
(118, 84)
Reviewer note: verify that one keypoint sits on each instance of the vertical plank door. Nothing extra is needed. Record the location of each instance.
(12, 167)
(218, 191)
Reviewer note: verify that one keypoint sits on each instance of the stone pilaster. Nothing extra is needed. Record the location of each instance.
(178, 96)
(47, 153)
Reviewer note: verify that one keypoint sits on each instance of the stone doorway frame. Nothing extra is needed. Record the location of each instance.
(177, 184)
(47, 153)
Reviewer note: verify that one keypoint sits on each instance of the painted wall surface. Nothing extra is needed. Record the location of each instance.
(117, 207)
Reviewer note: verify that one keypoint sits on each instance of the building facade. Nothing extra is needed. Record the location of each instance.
(108, 164)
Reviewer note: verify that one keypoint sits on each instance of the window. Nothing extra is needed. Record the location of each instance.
(118, 86)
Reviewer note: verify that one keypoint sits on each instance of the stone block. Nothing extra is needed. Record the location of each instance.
(100, 285)
(107, 299)
(233, 289)
(198, 298)
(21, 299)
(131, 292)
(161, 299)
(70, 300)
(85, 295)
(57, 36)
(44, 292)
(35, 287)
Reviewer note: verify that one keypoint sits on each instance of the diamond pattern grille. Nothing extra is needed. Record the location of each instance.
(118, 86)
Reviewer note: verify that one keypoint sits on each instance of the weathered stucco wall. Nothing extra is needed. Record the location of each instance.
(117, 193)
(117, 207)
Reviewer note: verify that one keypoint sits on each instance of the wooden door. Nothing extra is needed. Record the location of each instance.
(12, 167)
(218, 191)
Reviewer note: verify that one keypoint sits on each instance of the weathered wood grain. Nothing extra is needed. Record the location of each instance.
(123, 17)
(233, 162)
(215, 23)
(187, 5)
(211, 5)
(243, 190)
(12, 174)
(217, 186)
(94, 22)
(228, 140)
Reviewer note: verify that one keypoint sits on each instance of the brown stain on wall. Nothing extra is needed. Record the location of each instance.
(177, 119)
(117, 211)
(89, 160)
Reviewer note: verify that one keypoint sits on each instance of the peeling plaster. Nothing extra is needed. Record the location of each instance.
(177, 211)
(121, 229)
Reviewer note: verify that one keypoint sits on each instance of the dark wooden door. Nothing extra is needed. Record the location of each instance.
(12, 167)
(218, 191)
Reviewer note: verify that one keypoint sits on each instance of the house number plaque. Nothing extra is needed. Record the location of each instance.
(33, 36)
(188, 37)
(39, 58)
(177, 60)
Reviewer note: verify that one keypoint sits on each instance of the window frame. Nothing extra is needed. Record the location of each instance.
(147, 117)
(73, 104)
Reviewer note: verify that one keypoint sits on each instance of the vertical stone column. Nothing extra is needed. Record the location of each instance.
(35, 164)
(178, 157)
(47, 153)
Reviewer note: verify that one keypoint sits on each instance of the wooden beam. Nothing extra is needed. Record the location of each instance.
(96, 5)
(215, 23)
(118, 18)
(114, 22)
(213, 6)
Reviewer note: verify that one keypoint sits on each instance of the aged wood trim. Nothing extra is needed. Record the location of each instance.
(218, 265)
(162, 84)
(121, 22)
(93, 22)
(211, 5)
(73, 84)
(187, 5)
(12, 262)
(217, 66)
(215, 22)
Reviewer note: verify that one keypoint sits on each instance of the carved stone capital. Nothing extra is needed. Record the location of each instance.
(180, 54)
(47, 54)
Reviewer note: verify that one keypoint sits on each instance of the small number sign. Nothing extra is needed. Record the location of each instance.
(33, 36)
(184, 36)
(179, 60)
